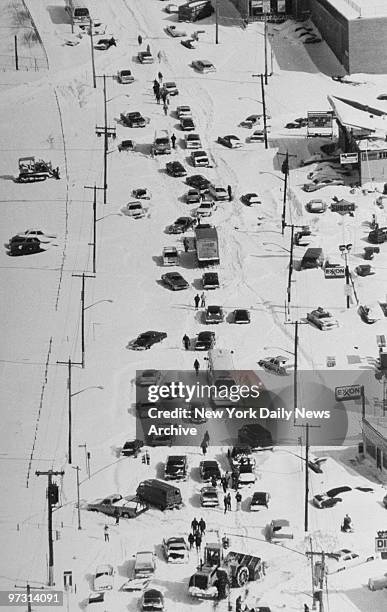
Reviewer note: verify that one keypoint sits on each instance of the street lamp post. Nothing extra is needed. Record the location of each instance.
(92, 53)
(76, 467)
(216, 22)
(345, 249)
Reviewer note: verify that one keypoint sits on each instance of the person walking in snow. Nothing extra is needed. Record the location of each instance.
(159, 56)
(165, 108)
(225, 504)
(238, 499)
(148, 48)
(186, 342)
(224, 484)
(198, 540)
(202, 526)
(106, 533)
(156, 87)
(139, 39)
(206, 437)
(173, 141)
(160, 77)
(191, 540)
(203, 446)
(197, 301)
(158, 97)
(196, 367)
(194, 525)
(202, 300)
(229, 191)
(164, 94)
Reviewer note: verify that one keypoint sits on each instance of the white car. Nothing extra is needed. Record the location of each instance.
(134, 209)
(205, 209)
(278, 365)
(251, 199)
(37, 233)
(218, 192)
(192, 141)
(103, 578)
(173, 31)
(203, 66)
(175, 550)
(322, 319)
(246, 474)
(183, 111)
(200, 159)
(256, 136)
(345, 559)
(209, 497)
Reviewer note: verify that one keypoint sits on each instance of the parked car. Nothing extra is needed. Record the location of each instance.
(256, 136)
(210, 280)
(134, 209)
(213, 314)
(144, 57)
(183, 111)
(278, 365)
(126, 145)
(364, 270)
(160, 494)
(203, 66)
(132, 448)
(198, 181)
(193, 197)
(316, 206)
(36, 233)
(103, 578)
(209, 497)
(259, 500)
(176, 169)
(176, 467)
(218, 192)
(142, 572)
(238, 454)
(205, 341)
(105, 43)
(250, 121)
(327, 182)
(231, 141)
(188, 43)
(141, 193)
(133, 119)
(192, 141)
(147, 339)
(344, 559)
(246, 473)
(170, 256)
(172, 30)
(171, 88)
(209, 469)
(187, 124)
(199, 158)
(322, 319)
(279, 529)
(369, 313)
(181, 225)
(175, 549)
(152, 600)
(322, 500)
(23, 246)
(205, 209)
(125, 76)
(251, 199)
(175, 281)
(241, 316)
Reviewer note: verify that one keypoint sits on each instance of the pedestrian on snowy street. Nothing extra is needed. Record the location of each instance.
(173, 141)
(139, 39)
(225, 503)
(238, 604)
(165, 108)
(264, 568)
(106, 533)
(194, 525)
(148, 48)
(198, 540)
(238, 499)
(229, 191)
(156, 89)
(206, 437)
(203, 446)
(159, 56)
(160, 77)
(202, 300)
(157, 96)
(164, 94)
(197, 301)
(186, 342)
(224, 484)
(191, 540)
(196, 367)
(202, 526)
(228, 501)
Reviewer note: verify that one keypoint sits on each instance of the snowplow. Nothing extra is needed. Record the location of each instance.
(217, 574)
(32, 170)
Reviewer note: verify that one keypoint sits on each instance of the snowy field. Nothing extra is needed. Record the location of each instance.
(54, 117)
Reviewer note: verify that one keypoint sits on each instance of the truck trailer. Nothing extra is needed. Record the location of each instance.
(207, 246)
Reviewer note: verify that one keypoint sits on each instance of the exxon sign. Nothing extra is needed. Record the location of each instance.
(351, 392)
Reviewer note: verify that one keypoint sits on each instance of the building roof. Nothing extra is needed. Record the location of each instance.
(359, 116)
(355, 9)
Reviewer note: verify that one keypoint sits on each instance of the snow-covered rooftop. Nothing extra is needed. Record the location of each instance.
(356, 118)
(353, 9)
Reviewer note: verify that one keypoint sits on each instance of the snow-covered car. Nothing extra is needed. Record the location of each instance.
(241, 316)
(293, 125)
(238, 453)
(133, 119)
(132, 448)
(171, 8)
(230, 140)
(251, 199)
(172, 30)
(218, 192)
(126, 145)
(213, 314)
(316, 206)
(200, 158)
(209, 469)
(181, 225)
(279, 364)
(210, 280)
(148, 377)
(143, 570)
(209, 497)
(176, 169)
(183, 111)
(259, 500)
(144, 57)
(256, 136)
(147, 339)
(192, 141)
(188, 43)
(171, 88)
(175, 549)
(250, 121)
(141, 193)
(322, 319)
(199, 182)
(187, 124)
(246, 473)
(175, 281)
(327, 182)
(37, 233)
(382, 97)
(97, 601)
(322, 500)
(134, 209)
(205, 341)
(344, 559)
(205, 209)
(176, 467)
(193, 196)
(203, 66)
(152, 601)
(125, 76)
(369, 313)
(105, 43)
(279, 529)
(103, 578)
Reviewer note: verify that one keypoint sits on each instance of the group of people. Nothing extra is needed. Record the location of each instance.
(200, 300)
(227, 501)
(198, 530)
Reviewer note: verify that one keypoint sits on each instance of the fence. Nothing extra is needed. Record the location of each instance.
(35, 64)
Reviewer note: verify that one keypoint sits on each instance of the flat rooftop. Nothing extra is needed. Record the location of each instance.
(353, 9)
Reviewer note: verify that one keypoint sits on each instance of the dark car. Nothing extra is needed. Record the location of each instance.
(132, 448)
(181, 225)
(187, 124)
(292, 125)
(126, 145)
(382, 97)
(188, 43)
(205, 341)
(323, 500)
(175, 281)
(193, 197)
(209, 469)
(162, 439)
(255, 436)
(152, 601)
(231, 141)
(21, 245)
(134, 119)
(176, 467)
(175, 168)
(210, 280)
(241, 315)
(198, 181)
(378, 236)
(147, 339)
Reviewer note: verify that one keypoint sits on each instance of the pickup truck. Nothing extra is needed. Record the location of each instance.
(117, 505)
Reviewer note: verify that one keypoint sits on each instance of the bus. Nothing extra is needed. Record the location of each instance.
(78, 11)
(220, 375)
(195, 10)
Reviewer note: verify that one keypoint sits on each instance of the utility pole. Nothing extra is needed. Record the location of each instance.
(28, 593)
(264, 111)
(265, 47)
(52, 500)
(87, 458)
(216, 22)
(69, 364)
(318, 576)
(92, 52)
(288, 291)
(344, 249)
(105, 143)
(94, 243)
(306, 499)
(16, 55)
(78, 500)
(83, 276)
(285, 171)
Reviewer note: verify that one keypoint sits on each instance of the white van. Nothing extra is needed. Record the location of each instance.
(221, 375)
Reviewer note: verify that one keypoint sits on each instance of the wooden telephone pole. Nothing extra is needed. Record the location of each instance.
(52, 500)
